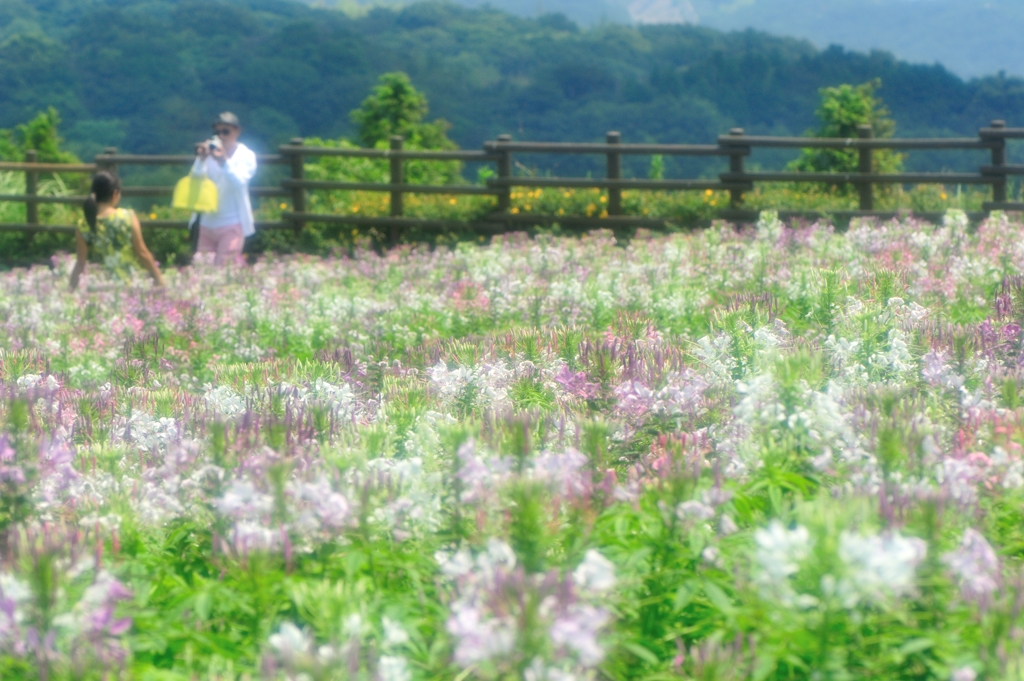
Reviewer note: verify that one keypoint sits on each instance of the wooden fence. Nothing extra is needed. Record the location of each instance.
(736, 147)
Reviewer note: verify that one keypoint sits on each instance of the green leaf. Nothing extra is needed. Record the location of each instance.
(915, 645)
(719, 599)
(684, 596)
(203, 604)
(641, 652)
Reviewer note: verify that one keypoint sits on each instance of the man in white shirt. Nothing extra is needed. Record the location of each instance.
(230, 165)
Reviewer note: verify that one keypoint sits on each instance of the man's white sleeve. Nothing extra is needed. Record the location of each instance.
(240, 168)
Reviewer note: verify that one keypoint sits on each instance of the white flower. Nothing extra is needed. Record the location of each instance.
(223, 401)
(712, 556)
(498, 555)
(29, 381)
(455, 565)
(964, 674)
(353, 625)
(769, 226)
(780, 550)
(243, 500)
(290, 641)
(394, 634)
(393, 668)
(879, 566)
(595, 573)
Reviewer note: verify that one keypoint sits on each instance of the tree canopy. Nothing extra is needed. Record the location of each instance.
(40, 134)
(843, 109)
(395, 107)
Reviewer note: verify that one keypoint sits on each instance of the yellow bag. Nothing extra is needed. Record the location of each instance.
(196, 193)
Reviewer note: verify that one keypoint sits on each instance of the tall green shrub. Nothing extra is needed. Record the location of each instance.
(395, 107)
(842, 110)
(40, 134)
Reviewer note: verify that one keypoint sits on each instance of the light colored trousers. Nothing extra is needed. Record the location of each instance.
(226, 242)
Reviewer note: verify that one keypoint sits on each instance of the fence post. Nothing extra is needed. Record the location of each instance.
(298, 167)
(866, 167)
(998, 160)
(736, 166)
(397, 180)
(504, 173)
(31, 188)
(614, 173)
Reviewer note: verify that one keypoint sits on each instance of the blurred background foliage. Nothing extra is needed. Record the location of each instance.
(146, 76)
(396, 106)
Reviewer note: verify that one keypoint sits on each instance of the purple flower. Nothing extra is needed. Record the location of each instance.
(635, 398)
(12, 475)
(694, 510)
(975, 566)
(576, 384)
(479, 637)
(577, 630)
(566, 472)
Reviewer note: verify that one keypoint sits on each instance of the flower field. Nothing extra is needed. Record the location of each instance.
(775, 453)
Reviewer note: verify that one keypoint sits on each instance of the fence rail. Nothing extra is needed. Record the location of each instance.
(735, 146)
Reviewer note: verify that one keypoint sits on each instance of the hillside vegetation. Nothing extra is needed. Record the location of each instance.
(986, 34)
(147, 75)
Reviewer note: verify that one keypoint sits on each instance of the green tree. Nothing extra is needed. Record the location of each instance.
(395, 107)
(842, 110)
(41, 134)
(9, 147)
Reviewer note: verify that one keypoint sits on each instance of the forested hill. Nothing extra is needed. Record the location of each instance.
(970, 37)
(146, 75)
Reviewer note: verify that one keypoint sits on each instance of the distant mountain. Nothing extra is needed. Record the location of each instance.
(969, 37)
(582, 12)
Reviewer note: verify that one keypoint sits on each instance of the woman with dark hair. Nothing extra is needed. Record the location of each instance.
(114, 237)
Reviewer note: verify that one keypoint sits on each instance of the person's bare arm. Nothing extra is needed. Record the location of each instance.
(142, 253)
(82, 253)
